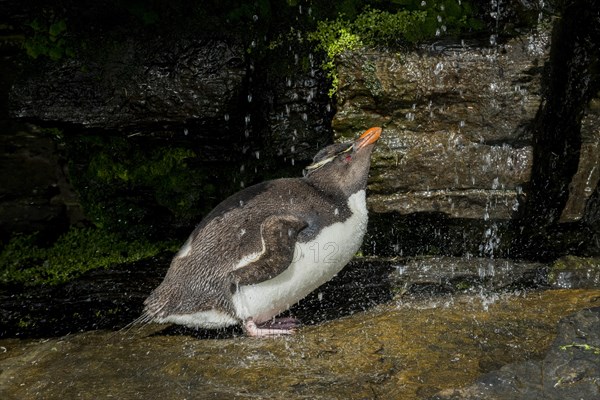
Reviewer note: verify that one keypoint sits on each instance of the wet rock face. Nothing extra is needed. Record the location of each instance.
(141, 81)
(456, 137)
(455, 124)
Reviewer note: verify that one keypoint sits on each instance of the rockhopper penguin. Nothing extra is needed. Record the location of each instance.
(268, 246)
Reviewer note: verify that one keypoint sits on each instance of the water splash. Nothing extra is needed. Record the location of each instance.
(491, 241)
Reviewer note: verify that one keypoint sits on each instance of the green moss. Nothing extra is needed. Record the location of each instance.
(48, 38)
(23, 261)
(582, 346)
(410, 23)
(573, 263)
(334, 39)
(128, 186)
(23, 324)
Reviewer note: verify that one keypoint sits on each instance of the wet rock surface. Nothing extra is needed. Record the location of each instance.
(570, 369)
(384, 328)
(405, 349)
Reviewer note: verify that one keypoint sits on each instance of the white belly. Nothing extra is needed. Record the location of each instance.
(314, 263)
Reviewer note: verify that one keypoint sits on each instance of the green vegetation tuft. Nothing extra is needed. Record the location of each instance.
(23, 261)
(48, 38)
(582, 346)
(410, 23)
(334, 38)
(123, 182)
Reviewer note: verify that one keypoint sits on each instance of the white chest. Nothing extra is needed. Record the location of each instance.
(314, 263)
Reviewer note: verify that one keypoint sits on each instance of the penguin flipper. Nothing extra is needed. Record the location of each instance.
(278, 235)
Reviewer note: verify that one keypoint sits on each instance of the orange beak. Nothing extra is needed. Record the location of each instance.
(370, 136)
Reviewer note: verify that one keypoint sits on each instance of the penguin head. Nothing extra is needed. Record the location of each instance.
(344, 166)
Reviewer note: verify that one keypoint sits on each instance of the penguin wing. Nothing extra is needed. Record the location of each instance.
(278, 236)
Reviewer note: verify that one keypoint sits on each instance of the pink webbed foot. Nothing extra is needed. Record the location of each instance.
(277, 327)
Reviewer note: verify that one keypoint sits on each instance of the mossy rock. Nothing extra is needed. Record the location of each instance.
(572, 272)
(23, 261)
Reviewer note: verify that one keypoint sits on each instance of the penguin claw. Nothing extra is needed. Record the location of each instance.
(253, 330)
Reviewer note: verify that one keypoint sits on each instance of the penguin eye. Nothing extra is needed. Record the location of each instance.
(348, 158)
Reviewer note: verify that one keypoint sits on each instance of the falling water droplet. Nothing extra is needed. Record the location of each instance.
(226, 117)
(255, 17)
(515, 205)
(185, 131)
(242, 168)
(438, 68)
(257, 154)
(495, 183)
(249, 97)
